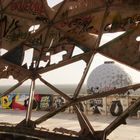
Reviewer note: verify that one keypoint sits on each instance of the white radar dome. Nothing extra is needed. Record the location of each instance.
(106, 77)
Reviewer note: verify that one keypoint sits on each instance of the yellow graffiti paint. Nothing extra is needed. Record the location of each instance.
(5, 103)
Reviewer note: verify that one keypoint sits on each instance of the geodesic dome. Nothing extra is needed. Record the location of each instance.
(106, 77)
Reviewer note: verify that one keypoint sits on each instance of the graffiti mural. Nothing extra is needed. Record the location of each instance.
(13, 101)
(50, 102)
(40, 102)
(58, 102)
(46, 102)
(116, 108)
(96, 104)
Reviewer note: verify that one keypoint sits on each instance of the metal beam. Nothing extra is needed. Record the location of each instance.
(72, 39)
(30, 104)
(65, 96)
(86, 127)
(46, 37)
(53, 113)
(59, 10)
(41, 51)
(15, 65)
(91, 59)
(63, 63)
(94, 96)
(45, 9)
(122, 118)
(35, 134)
(108, 93)
(97, 10)
(14, 87)
(84, 123)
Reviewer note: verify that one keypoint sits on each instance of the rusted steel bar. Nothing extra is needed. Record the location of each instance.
(35, 134)
(99, 9)
(122, 118)
(14, 87)
(63, 63)
(46, 37)
(94, 96)
(93, 10)
(45, 9)
(55, 89)
(59, 10)
(49, 115)
(86, 127)
(41, 51)
(15, 65)
(108, 93)
(91, 59)
(84, 123)
(30, 104)
(72, 39)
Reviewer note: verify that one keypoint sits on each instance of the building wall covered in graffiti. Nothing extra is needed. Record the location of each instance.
(41, 102)
(112, 105)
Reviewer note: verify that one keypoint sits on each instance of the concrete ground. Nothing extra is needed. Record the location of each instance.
(131, 131)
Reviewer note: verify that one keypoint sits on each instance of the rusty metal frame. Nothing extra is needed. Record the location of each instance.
(13, 87)
(84, 123)
(100, 135)
(87, 131)
(30, 104)
(76, 58)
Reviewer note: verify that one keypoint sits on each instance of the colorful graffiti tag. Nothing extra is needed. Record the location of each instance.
(18, 101)
(40, 101)
(13, 101)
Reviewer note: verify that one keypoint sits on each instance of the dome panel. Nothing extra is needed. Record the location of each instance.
(107, 77)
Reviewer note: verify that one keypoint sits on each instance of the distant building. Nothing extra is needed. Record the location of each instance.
(105, 77)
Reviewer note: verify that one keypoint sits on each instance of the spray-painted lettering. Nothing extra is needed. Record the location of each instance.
(79, 25)
(9, 27)
(12, 29)
(30, 7)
